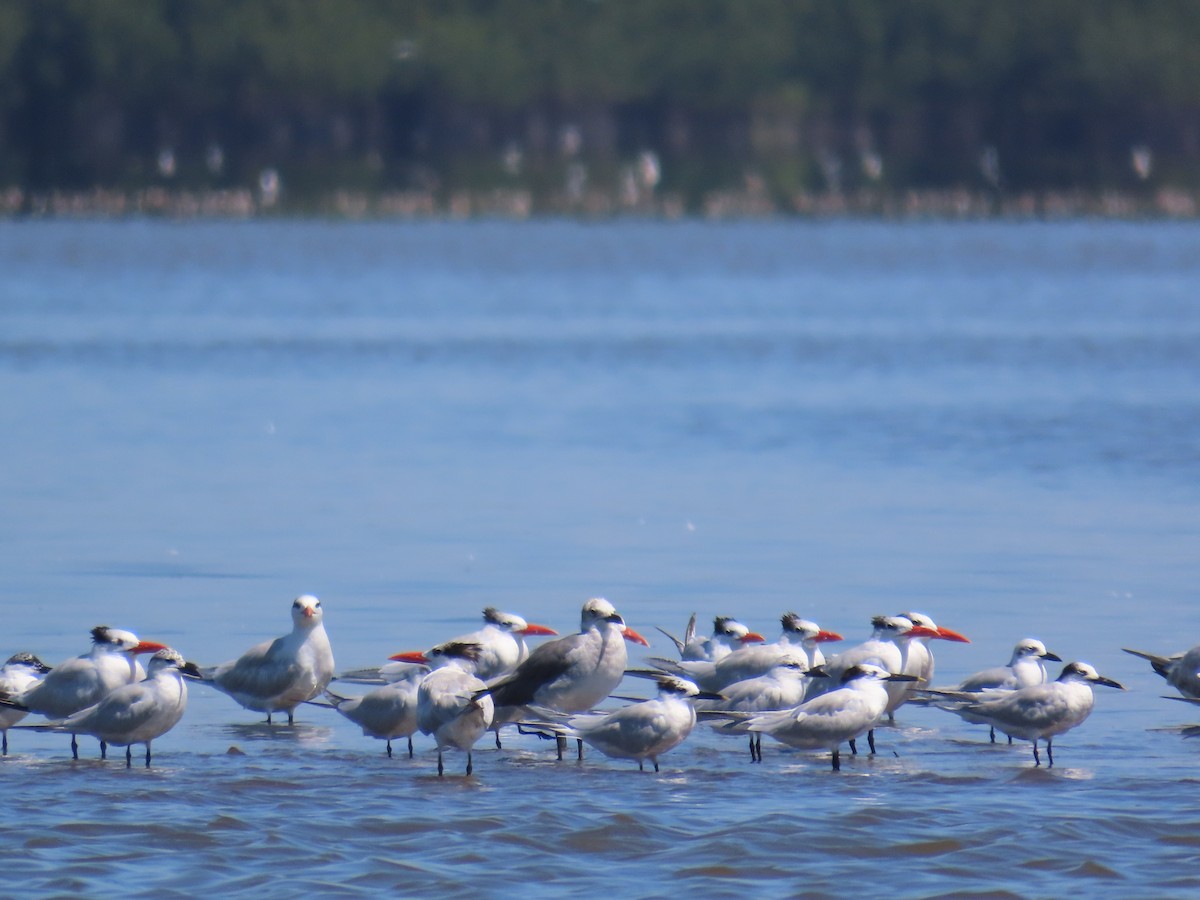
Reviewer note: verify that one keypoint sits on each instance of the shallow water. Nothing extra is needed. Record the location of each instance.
(996, 423)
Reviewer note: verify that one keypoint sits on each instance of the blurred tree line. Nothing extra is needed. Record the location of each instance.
(558, 96)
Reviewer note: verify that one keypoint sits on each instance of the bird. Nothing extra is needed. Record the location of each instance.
(797, 635)
(571, 674)
(279, 675)
(780, 687)
(728, 635)
(452, 703)
(388, 711)
(136, 713)
(1025, 668)
(827, 720)
(1043, 711)
(501, 643)
(85, 680)
(21, 670)
(640, 731)
(920, 656)
(888, 646)
(1182, 670)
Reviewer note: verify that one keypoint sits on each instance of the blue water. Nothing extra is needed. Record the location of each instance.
(996, 423)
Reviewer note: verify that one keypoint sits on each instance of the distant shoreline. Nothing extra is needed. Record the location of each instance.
(515, 204)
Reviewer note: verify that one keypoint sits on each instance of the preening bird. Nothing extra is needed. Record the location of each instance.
(17, 675)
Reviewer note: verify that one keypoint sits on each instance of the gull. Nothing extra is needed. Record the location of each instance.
(17, 675)
(826, 721)
(85, 680)
(640, 731)
(1043, 711)
(798, 635)
(1025, 668)
(728, 635)
(571, 674)
(452, 703)
(135, 713)
(387, 712)
(281, 674)
(1182, 671)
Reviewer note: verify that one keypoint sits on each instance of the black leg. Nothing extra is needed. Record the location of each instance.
(1037, 760)
(871, 740)
(1050, 752)
(410, 753)
(129, 756)
(291, 717)
(561, 742)
(1010, 740)
(6, 743)
(470, 765)
(440, 769)
(580, 743)
(853, 748)
(498, 746)
(837, 760)
(103, 750)
(268, 718)
(74, 748)
(641, 766)
(147, 754)
(656, 765)
(992, 732)
(389, 748)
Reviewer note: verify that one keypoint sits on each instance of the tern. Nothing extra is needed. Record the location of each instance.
(798, 635)
(452, 702)
(501, 643)
(640, 731)
(782, 687)
(85, 680)
(826, 721)
(279, 675)
(920, 656)
(17, 675)
(1025, 668)
(571, 674)
(728, 635)
(1043, 711)
(888, 647)
(136, 713)
(387, 712)
(1182, 671)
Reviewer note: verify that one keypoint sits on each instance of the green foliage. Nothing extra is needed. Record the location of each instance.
(392, 94)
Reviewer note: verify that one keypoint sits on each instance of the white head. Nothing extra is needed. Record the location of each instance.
(306, 611)
(869, 672)
(923, 621)
(1082, 672)
(1032, 648)
(171, 659)
(116, 640)
(674, 686)
(734, 632)
(599, 613)
(512, 623)
(798, 630)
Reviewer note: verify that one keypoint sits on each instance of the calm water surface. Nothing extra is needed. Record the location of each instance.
(998, 424)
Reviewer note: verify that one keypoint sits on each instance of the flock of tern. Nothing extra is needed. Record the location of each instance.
(455, 692)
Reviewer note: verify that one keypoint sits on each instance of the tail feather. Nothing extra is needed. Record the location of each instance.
(1159, 663)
